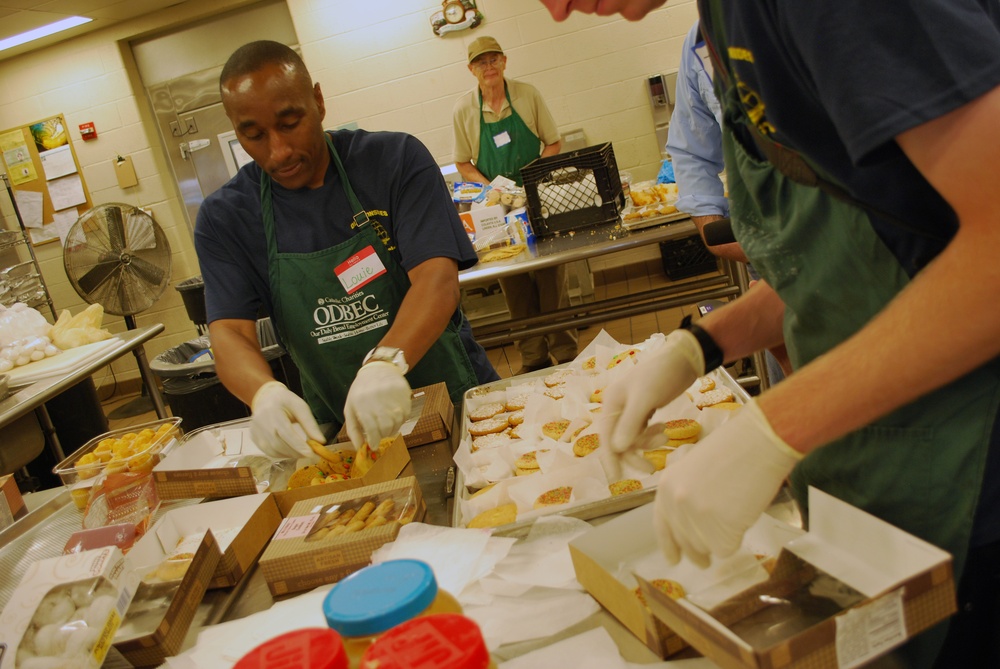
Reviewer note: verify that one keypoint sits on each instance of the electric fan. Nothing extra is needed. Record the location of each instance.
(117, 256)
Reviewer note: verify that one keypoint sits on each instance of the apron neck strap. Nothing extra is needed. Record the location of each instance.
(360, 217)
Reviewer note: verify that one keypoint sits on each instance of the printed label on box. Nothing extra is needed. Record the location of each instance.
(295, 526)
(865, 632)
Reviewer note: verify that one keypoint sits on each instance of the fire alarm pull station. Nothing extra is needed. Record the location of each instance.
(88, 131)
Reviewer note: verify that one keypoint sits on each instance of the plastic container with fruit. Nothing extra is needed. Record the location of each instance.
(131, 449)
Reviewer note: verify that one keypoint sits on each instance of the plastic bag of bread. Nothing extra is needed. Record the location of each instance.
(84, 328)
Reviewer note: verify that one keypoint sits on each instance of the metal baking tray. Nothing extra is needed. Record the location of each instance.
(583, 511)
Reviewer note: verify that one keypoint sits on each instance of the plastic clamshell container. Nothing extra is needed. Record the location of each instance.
(72, 473)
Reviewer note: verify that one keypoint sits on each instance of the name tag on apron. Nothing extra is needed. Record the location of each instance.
(502, 139)
(361, 268)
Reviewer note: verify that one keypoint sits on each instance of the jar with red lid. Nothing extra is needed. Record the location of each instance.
(310, 648)
(377, 598)
(439, 641)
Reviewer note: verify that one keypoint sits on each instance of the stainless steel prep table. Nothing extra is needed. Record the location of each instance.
(34, 396)
(590, 243)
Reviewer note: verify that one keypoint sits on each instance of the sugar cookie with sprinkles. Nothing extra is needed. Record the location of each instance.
(671, 589)
(682, 428)
(624, 486)
(529, 460)
(586, 445)
(597, 396)
(486, 411)
(488, 426)
(711, 397)
(619, 358)
(554, 497)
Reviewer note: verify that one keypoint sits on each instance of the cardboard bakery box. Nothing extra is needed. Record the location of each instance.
(610, 559)
(432, 415)
(849, 590)
(326, 538)
(222, 461)
(242, 526)
(171, 585)
(11, 503)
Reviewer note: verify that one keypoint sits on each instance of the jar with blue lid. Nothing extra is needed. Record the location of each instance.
(377, 598)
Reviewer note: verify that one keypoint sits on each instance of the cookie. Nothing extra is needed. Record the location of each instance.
(516, 418)
(557, 378)
(513, 433)
(491, 440)
(682, 428)
(707, 383)
(597, 395)
(555, 429)
(517, 402)
(674, 443)
(586, 445)
(524, 472)
(622, 357)
(624, 486)
(555, 393)
(590, 363)
(529, 460)
(711, 397)
(657, 458)
(554, 497)
(486, 411)
(488, 426)
(501, 515)
(482, 491)
(726, 406)
(671, 589)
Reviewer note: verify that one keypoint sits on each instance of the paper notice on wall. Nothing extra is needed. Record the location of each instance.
(67, 192)
(42, 235)
(57, 162)
(17, 157)
(29, 205)
(61, 223)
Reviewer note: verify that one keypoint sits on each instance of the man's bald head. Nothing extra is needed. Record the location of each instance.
(254, 56)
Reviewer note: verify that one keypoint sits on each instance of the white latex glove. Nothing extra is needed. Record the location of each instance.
(709, 498)
(281, 421)
(377, 404)
(655, 381)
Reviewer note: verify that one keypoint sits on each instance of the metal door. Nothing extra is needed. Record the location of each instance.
(190, 118)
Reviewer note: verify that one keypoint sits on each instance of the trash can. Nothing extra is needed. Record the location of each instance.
(193, 389)
(193, 294)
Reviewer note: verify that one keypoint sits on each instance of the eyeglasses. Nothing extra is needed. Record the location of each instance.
(483, 62)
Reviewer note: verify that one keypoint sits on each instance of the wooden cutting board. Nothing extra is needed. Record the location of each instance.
(60, 364)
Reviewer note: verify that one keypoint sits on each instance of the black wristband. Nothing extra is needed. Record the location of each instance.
(709, 349)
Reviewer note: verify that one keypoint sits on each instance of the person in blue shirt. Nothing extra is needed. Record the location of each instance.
(694, 143)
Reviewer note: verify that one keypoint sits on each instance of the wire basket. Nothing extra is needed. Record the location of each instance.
(573, 190)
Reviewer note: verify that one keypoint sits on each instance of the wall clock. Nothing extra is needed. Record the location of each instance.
(455, 15)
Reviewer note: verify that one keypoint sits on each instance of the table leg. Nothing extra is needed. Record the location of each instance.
(147, 377)
(49, 431)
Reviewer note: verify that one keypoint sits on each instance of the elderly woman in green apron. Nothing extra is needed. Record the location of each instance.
(862, 190)
(499, 128)
(349, 241)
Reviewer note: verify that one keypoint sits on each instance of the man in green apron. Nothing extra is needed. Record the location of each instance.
(500, 127)
(350, 242)
(860, 143)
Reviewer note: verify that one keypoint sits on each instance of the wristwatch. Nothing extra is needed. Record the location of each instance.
(387, 354)
(709, 349)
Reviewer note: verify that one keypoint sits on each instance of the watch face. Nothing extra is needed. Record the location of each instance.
(454, 12)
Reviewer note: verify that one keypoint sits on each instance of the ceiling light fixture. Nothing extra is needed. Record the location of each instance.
(43, 31)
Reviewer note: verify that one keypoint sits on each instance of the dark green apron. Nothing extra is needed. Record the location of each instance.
(919, 468)
(333, 306)
(518, 147)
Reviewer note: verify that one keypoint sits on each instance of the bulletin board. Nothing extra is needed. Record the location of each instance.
(45, 174)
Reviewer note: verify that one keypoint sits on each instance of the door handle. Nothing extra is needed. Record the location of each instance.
(187, 148)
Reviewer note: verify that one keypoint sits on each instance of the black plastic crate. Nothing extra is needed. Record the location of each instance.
(573, 190)
(687, 257)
